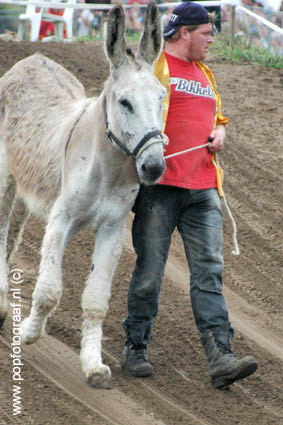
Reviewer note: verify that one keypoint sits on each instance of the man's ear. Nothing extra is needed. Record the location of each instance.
(184, 33)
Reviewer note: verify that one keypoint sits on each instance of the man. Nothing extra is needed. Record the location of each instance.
(186, 197)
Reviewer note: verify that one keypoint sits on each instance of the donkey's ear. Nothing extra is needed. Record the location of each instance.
(115, 44)
(151, 40)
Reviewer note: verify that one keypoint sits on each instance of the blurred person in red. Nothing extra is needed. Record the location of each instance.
(47, 28)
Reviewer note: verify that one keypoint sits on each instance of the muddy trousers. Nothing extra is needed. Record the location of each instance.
(197, 215)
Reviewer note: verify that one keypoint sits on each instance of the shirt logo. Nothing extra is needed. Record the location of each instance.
(192, 87)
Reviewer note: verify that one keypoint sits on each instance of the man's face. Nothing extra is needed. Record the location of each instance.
(199, 42)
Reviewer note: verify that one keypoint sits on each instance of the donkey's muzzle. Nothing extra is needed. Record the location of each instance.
(153, 171)
(151, 168)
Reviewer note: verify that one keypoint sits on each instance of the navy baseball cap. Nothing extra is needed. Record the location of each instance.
(186, 13)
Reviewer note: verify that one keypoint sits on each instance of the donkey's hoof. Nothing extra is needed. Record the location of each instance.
(28, 333)
(100, 378)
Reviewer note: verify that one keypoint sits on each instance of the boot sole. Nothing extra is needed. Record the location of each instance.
(223, 382)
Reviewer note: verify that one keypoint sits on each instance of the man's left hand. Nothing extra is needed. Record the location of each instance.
(217, 137)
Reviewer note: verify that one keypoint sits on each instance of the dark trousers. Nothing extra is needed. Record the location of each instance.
(197, 215)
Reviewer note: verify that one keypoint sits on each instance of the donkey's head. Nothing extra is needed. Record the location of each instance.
(133, 95)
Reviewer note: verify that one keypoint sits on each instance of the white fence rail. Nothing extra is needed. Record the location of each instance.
(261, 19)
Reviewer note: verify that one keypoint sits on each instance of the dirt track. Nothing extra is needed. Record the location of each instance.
(54, 391)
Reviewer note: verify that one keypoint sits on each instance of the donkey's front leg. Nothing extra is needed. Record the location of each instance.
(108, 247)
(48, 289)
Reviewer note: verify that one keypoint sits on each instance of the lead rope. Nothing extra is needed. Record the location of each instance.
(187, 150)
(236, 250)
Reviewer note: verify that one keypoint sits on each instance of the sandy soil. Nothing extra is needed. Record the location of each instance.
(54, 391)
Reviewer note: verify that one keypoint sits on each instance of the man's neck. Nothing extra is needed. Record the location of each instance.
(177, 51)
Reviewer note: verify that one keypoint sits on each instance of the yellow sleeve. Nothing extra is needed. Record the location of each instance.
(161, 71)
(219, 118)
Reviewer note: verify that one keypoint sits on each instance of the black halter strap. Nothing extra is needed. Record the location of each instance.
(124, 148)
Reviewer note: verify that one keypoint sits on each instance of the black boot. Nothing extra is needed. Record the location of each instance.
(135, 360)
(223, 366)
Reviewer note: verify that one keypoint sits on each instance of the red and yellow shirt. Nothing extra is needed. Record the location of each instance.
(192, 110)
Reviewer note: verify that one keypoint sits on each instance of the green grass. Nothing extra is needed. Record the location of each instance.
(98, 36)
(131, 37)
(244, 51)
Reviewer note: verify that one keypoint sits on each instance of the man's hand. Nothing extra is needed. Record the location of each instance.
(216, 137)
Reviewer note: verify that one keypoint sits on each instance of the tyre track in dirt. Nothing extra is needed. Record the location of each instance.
(182, 408)
(164, 398)
(262, 195)
(256, 199)
(247, 394)
(60, 364)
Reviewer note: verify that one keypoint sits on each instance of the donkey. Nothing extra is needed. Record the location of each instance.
(78, 161)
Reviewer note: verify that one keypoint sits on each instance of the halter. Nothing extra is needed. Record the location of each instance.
(141, 146)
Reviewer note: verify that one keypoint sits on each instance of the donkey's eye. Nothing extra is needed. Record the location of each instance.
(126, 104)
